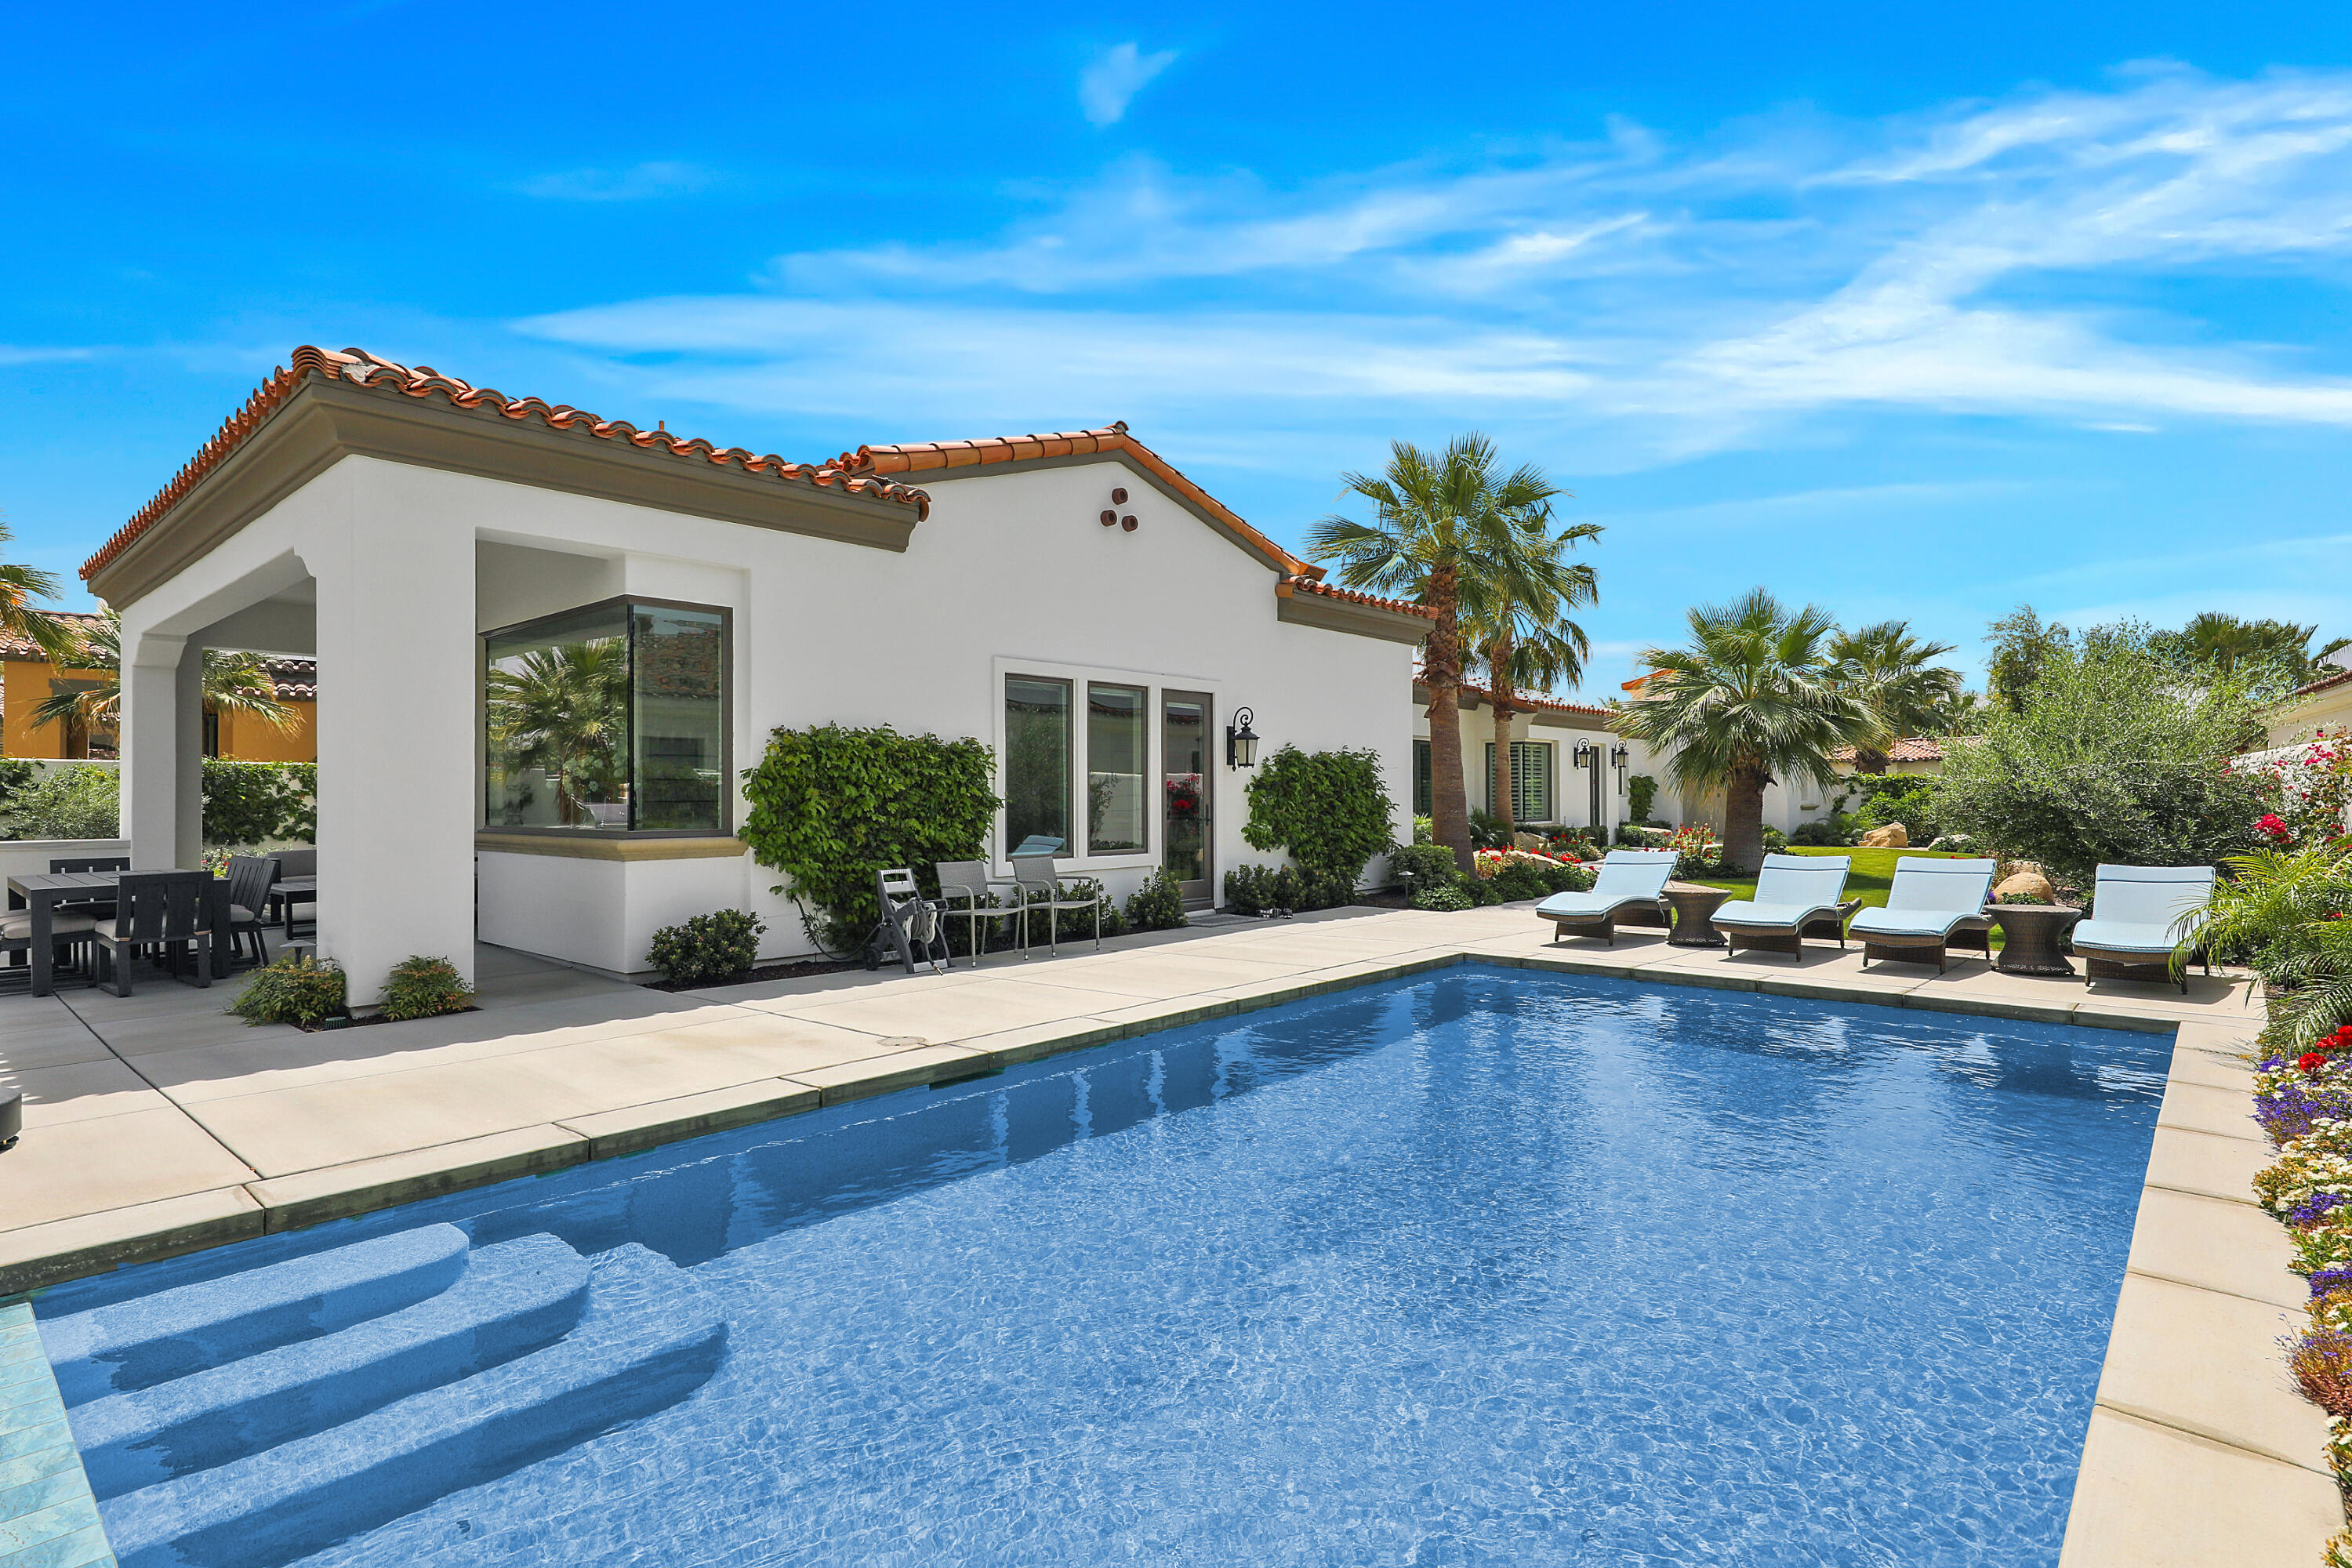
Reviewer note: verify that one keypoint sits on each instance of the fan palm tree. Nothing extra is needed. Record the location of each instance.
(1892, 674)
(565, 709)
(1750, 700)
(1445, 525)
(20, 586)
(233, 683)
(1523, 647)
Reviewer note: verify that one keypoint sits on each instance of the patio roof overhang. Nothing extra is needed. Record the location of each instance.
(326, 407)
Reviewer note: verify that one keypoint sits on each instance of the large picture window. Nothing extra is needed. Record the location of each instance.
(611, 719)
(1037, 763)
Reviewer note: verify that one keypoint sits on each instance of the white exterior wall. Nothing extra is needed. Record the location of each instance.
(1572, 787)
(1010, 573)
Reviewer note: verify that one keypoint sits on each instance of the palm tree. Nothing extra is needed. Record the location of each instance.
(1530, 646)
(20, 586)
(1749, 700)
(233, 682)
(565, 709)
(1445, 524)
(1889, 672)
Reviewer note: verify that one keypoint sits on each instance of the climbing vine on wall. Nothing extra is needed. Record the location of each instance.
(1328, 809)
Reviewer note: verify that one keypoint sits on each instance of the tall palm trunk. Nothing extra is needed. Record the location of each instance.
(1441, 667)
(1743, 817)
(1498, 672)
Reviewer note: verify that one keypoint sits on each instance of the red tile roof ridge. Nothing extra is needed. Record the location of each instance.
(921, 457)
(18, 647)
(1909, 749)
(361, 368)
(2325, 683)
(1300, 582)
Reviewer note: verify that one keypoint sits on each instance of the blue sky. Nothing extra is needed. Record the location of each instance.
(1915, 312)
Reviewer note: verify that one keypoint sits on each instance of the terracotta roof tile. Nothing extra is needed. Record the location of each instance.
(1910, 749)
(360, 368)
(18, 647)
(2325, 683)
(1304, 585)
(924, 457)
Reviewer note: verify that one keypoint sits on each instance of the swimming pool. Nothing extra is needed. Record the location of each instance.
(1490, 1266)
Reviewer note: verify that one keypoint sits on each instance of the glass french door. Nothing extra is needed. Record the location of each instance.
(1187, 783)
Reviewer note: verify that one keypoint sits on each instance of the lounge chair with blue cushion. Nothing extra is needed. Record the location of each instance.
(2139, 915)
(1933, 905)
(1628, 885)
(1796, 896)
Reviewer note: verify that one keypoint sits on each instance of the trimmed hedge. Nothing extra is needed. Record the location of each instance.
(1329, 810)
(260, 803)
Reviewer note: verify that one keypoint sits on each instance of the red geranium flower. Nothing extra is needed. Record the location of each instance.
(2311, 1061)
(2271, 827)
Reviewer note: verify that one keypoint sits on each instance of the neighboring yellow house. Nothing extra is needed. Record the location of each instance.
(28, 679)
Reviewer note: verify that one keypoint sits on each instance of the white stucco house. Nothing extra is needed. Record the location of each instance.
(436, 547)
(1568, 768)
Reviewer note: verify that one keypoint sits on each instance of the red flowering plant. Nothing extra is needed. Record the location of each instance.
(2312, 784)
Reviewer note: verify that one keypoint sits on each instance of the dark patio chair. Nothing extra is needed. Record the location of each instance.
(250, 878)
(67, 933)
(161, 909)
(97, 908)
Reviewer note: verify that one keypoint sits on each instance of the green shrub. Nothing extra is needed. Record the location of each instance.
(1159, 904)
(1906, 798)
(1520, 880)
(706, 948)
(260, 803)
(1114, 924)
(300, 991)
(1487, 832)
(1329, 810)
(1429, 864)
(2113, 758)
(1259, 889)
(1483, 891)
(1641, 794)
(1446, 897)
(1424, 830)
(1569, 878)
(421, 987)
(1835, 828)
(1630, 836)
(66, 803)
(15, 773)
(1775, 841)
(830, 807)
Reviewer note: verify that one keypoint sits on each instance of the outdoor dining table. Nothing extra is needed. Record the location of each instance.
(40, 893)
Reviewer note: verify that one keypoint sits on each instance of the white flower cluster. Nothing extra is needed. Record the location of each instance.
(2319, 1161)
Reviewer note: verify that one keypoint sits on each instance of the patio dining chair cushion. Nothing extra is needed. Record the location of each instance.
(1626, 876)
(2144, 908)
(1929, 898)
(18, 928)
(1790, 889)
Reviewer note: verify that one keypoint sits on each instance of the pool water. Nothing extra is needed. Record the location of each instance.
(1487, 1268)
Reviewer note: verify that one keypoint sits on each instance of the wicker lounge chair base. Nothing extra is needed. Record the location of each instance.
(2151, 968)
(1589, 925)
(1886, 947)
(1788, 941)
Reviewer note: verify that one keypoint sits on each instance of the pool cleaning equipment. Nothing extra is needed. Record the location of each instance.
(910, 927)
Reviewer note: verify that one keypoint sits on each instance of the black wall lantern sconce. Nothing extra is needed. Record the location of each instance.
(1618, 757)
(1584, 755)
(1240, 741)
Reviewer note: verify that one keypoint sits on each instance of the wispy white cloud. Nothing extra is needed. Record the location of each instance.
(1634, 299)
(1113, 77)
(638, 182)
(37, 354)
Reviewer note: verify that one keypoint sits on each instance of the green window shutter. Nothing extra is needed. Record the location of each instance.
(1421, 777)
(1531, 780)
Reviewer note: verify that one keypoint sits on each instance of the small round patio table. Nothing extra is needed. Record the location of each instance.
(2030, 935)
(1693, 906)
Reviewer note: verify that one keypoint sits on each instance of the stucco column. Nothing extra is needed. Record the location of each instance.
(150, 738)
(396, 769)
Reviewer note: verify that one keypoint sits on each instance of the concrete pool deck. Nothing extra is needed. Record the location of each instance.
(156, 1125)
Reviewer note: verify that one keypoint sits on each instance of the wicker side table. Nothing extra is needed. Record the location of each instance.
(1692, 905)
(2031, 934)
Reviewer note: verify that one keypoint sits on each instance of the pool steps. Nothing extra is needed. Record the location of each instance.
(47, 1518)
(257, 1458)
(512, 1298)
(151, 1340)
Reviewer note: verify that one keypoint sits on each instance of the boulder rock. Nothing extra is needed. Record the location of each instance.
(2029, 880)
(1891, 837)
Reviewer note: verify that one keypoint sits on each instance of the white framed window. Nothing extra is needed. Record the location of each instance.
(1078, 756)
(1534, 793)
